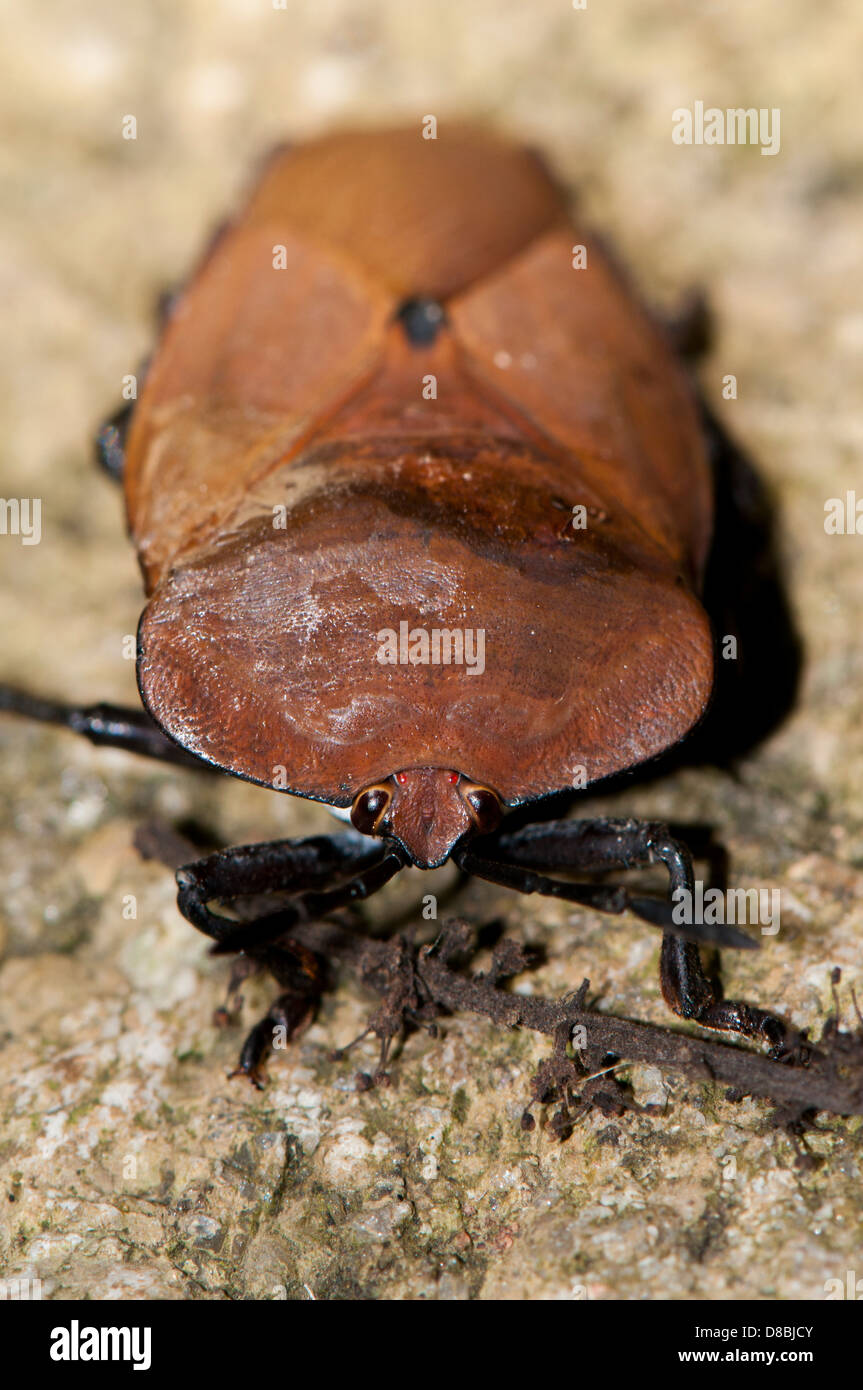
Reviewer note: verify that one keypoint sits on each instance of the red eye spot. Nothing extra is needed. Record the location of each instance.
(453, 777)
(401, 777)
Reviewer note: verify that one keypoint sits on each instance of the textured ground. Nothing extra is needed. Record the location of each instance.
(131, 1166)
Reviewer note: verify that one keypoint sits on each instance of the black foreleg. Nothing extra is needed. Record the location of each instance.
(324, 873)
(304, 867)
(592, 846)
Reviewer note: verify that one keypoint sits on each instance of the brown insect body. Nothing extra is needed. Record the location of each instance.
(292, 494)
(352, 478)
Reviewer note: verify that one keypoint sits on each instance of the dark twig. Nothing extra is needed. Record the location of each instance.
(419, 984)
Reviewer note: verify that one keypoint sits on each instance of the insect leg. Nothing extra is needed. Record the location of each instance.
(690, 328)
(594, 846)
(306, 868)
(603, 844)
(311, 869)
(299, 971)
(691, 993)
(105, 725)
(110, 442)
(275, 866)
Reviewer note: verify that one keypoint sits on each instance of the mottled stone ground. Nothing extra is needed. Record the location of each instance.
(131, 1166)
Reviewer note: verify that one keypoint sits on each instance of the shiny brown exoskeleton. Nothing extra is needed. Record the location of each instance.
(422, 505)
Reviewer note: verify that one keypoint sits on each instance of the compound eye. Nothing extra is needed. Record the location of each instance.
(369, 809)
(484, 806)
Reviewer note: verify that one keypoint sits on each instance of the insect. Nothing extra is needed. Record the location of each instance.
(422, 506)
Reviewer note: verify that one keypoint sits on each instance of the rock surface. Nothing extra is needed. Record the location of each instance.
(131, 1166)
